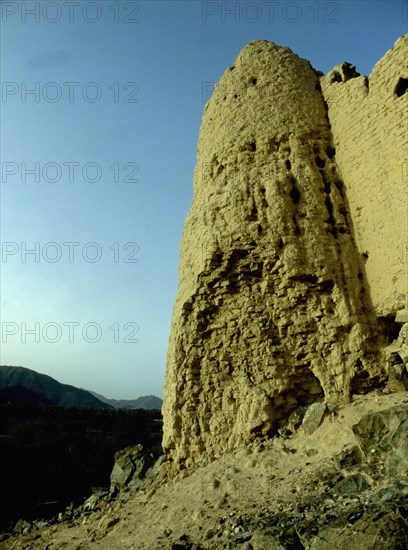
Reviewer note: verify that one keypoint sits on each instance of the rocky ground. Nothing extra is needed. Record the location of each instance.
(343, 486)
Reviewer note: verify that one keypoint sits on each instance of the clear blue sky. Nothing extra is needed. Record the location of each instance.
(118, 95)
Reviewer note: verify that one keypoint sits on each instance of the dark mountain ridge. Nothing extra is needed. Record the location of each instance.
(22, 385)
(44, 387)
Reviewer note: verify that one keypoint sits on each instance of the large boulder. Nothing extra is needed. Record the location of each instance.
(129, 468)
(383, 437)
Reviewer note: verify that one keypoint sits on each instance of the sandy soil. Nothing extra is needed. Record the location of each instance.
(234, 494)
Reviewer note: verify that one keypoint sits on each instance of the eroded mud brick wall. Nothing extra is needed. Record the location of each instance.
(369, 122)
(273, 308)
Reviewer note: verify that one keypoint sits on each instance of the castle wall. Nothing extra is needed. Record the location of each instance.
(272, 310)
(369, 123)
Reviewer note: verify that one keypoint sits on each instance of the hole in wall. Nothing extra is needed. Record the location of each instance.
(252, 146)
(294, 192)
(305, 278)
(389, 328)
(335, 77)
(253, 81)
(362, 382)
(329, 206)
(349, 71)
(330, 219)
(319, 162)
(309, 389)
(330, 152)
(326, 182)
(288, 164)
(327, 286)
(401, 87)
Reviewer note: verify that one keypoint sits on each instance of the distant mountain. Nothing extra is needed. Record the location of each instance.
(40, 386)
(146, 402)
